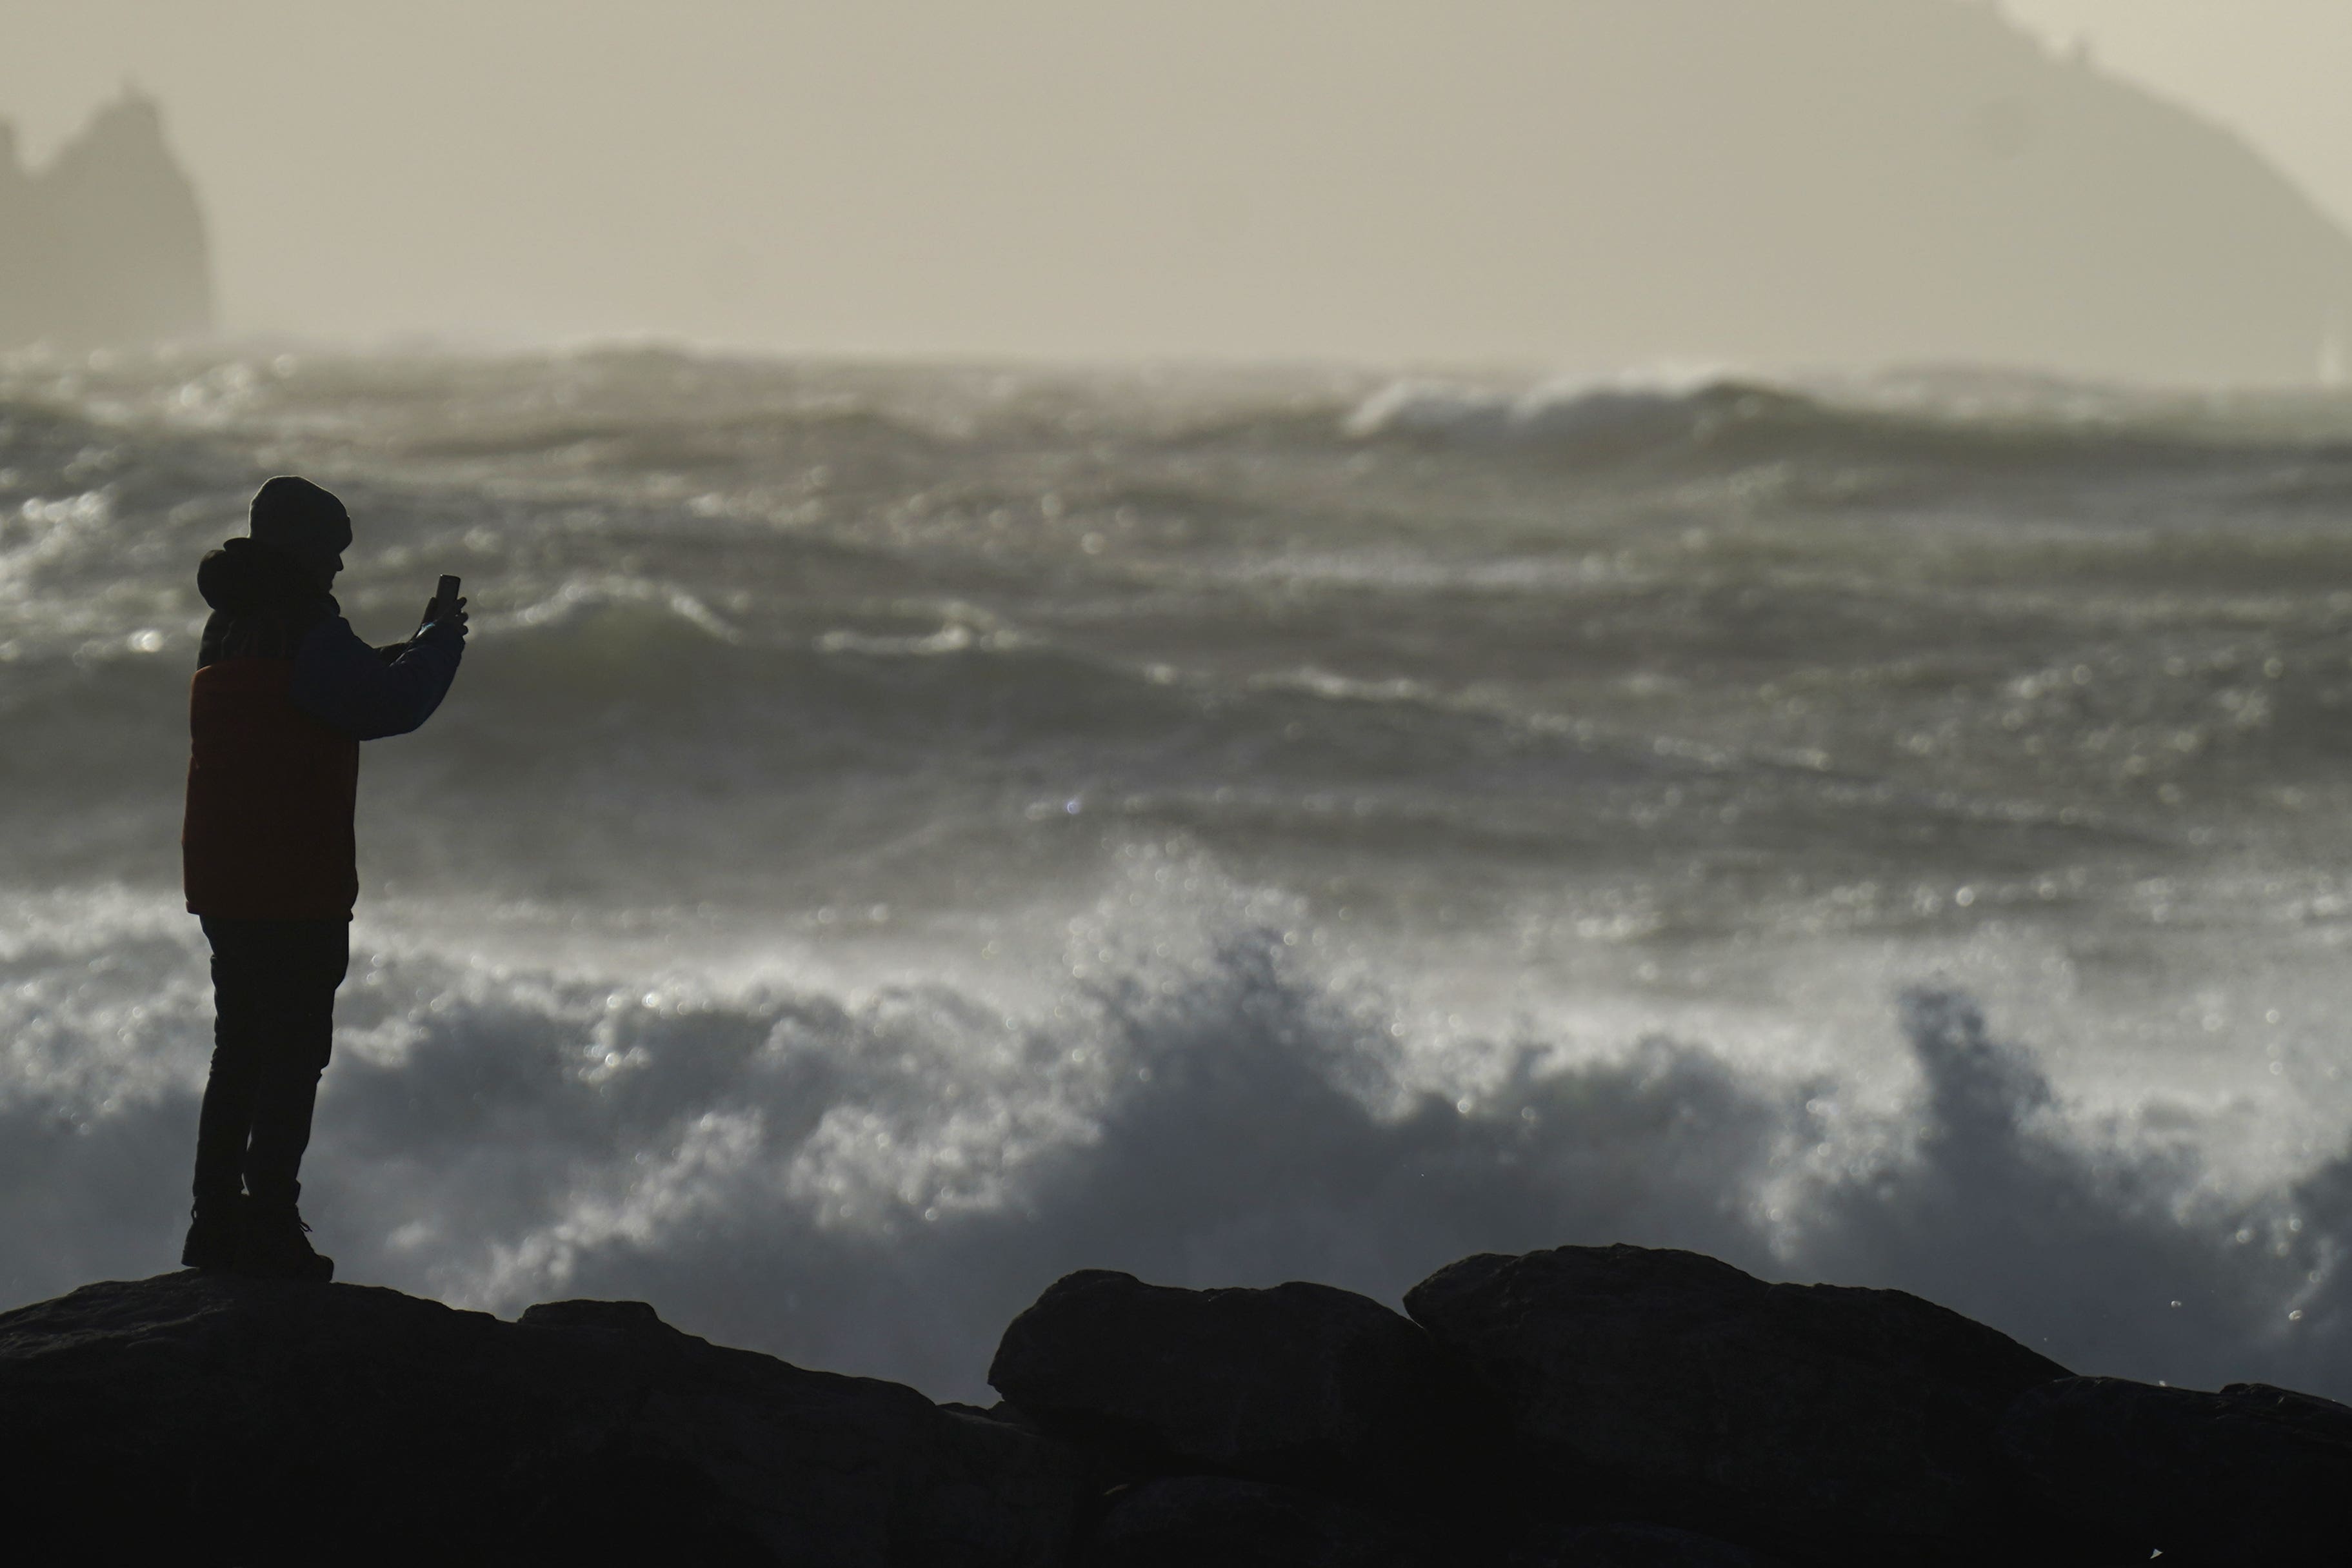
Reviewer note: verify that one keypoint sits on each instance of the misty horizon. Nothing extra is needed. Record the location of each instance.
(1585, 192)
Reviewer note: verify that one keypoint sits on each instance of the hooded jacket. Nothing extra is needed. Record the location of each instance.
(284, 693)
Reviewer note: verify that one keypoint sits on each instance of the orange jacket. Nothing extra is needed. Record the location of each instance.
(271, 794)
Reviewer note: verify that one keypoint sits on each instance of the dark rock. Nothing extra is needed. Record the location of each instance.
(1628, 1546)
(1301, 1385)
(2251, 1475)
(1216, 1521)
(1821, 1423)
(205, 1420)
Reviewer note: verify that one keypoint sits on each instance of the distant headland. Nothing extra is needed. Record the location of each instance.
(105, 245)
(1848, 183)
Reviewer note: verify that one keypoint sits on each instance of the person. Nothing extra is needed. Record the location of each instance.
(284, 693)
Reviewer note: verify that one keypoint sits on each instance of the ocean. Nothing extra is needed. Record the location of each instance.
(905, 833)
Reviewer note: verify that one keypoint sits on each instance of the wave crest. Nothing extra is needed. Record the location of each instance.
(1630, 413)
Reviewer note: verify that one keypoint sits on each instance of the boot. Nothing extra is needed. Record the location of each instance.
(274, 1245)
(215, 1227)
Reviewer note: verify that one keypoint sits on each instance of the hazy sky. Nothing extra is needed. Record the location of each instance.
(523, 168)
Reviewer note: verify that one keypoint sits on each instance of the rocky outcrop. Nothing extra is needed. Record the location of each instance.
(196, 1419)
(2251, 1475)
(1831, 1425)
(1301, 1385)
(106, 244)
(1582, 1407)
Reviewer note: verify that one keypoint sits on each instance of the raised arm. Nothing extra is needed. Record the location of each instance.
(369, 693)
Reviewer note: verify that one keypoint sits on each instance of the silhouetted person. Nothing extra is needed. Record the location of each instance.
(284, 693)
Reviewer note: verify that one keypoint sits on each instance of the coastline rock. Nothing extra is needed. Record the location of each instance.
(1583, 1407)
(1302, 1385)
(1191, 1522)
(1826, 1424)
(206, 1419)
(2251, 1475)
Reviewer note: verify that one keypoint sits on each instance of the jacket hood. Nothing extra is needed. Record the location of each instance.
(293, 515)
(245, 576)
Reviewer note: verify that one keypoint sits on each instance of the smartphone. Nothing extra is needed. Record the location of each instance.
(441, 595)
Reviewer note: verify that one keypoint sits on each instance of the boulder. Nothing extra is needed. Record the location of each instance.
(1301, 1385)
(2250, 1475)
(1822, 1424)
(1216, 1521)
(206, 1419)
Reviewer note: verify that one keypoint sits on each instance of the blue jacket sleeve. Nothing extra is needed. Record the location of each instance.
(346, 685)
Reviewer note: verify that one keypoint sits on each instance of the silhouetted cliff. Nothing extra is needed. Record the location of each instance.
(106, 246)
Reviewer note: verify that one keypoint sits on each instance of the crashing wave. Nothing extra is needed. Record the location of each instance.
(876, 1176)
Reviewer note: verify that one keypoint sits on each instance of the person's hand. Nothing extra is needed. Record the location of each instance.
(455, 617)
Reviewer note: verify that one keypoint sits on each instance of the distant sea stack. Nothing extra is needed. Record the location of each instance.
(105, 246)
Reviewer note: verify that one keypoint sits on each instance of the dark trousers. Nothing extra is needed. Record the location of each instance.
(273, 1020)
